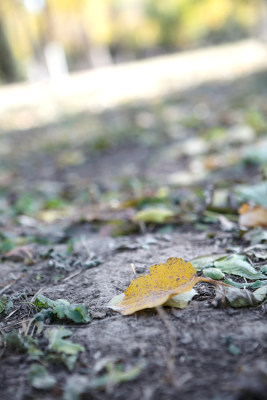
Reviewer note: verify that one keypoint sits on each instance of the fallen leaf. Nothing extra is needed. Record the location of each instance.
(238, 265)
(163, 282)
(18, 254)
(115, 375)
(58, 344)
(252, 216)
(260, 254)
(213, 273)
(70, 158)
(226, 225)
(238, 298)
(6, 305)
(75, 386)
(130, 244)
(156, 215)
(186, 178)
(258, 250)
(51, 216)
(260, 294)
(78, 385)
(206, 261)
(61, 309)
(256, 236)
(25, 344)
(116, 299)
(40, 378)
(181, 300)
(253, 193)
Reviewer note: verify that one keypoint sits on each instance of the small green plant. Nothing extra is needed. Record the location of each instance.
(60, 309)
(6, 305)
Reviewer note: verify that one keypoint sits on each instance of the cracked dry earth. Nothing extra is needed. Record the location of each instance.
(187, 354)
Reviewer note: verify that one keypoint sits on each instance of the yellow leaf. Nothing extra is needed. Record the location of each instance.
(163, 282)
(156, 215)
(178, 301)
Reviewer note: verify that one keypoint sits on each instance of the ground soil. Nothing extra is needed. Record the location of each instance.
(207, 351)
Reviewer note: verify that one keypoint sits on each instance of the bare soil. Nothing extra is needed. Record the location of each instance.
(207, 351)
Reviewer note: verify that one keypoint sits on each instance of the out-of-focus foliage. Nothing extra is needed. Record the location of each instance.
(8, 70)
(93, 32)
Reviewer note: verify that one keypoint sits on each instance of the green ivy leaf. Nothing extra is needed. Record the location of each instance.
(60, 309)
(58, 344)
(5, 305)
(40, 378)
(24, 344)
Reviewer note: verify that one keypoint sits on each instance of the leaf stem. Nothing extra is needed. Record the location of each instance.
(209, 280)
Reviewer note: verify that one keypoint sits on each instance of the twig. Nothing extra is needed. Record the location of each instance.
(14, 323)
(28, 326)
(134, 272)
(9, 315)
(72, 275)
(6, 287)
(36, 294)
(172, 336)
(142, 226)
(209, 280)
(85, 245)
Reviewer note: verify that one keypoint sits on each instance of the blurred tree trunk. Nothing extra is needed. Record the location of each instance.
(8, 70)
(264, 21)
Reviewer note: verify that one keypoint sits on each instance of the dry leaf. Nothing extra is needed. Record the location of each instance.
(181, 300)
(154, 215)
(252, 216)
(22, 253)
(237, 298)
(178, 301)
(163, 282)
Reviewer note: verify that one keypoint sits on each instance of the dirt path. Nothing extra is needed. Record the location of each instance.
(69, 195)
(201, 352)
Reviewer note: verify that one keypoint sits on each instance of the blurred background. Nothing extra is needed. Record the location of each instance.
(102, 101)
(131, 125)
(46, 38)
